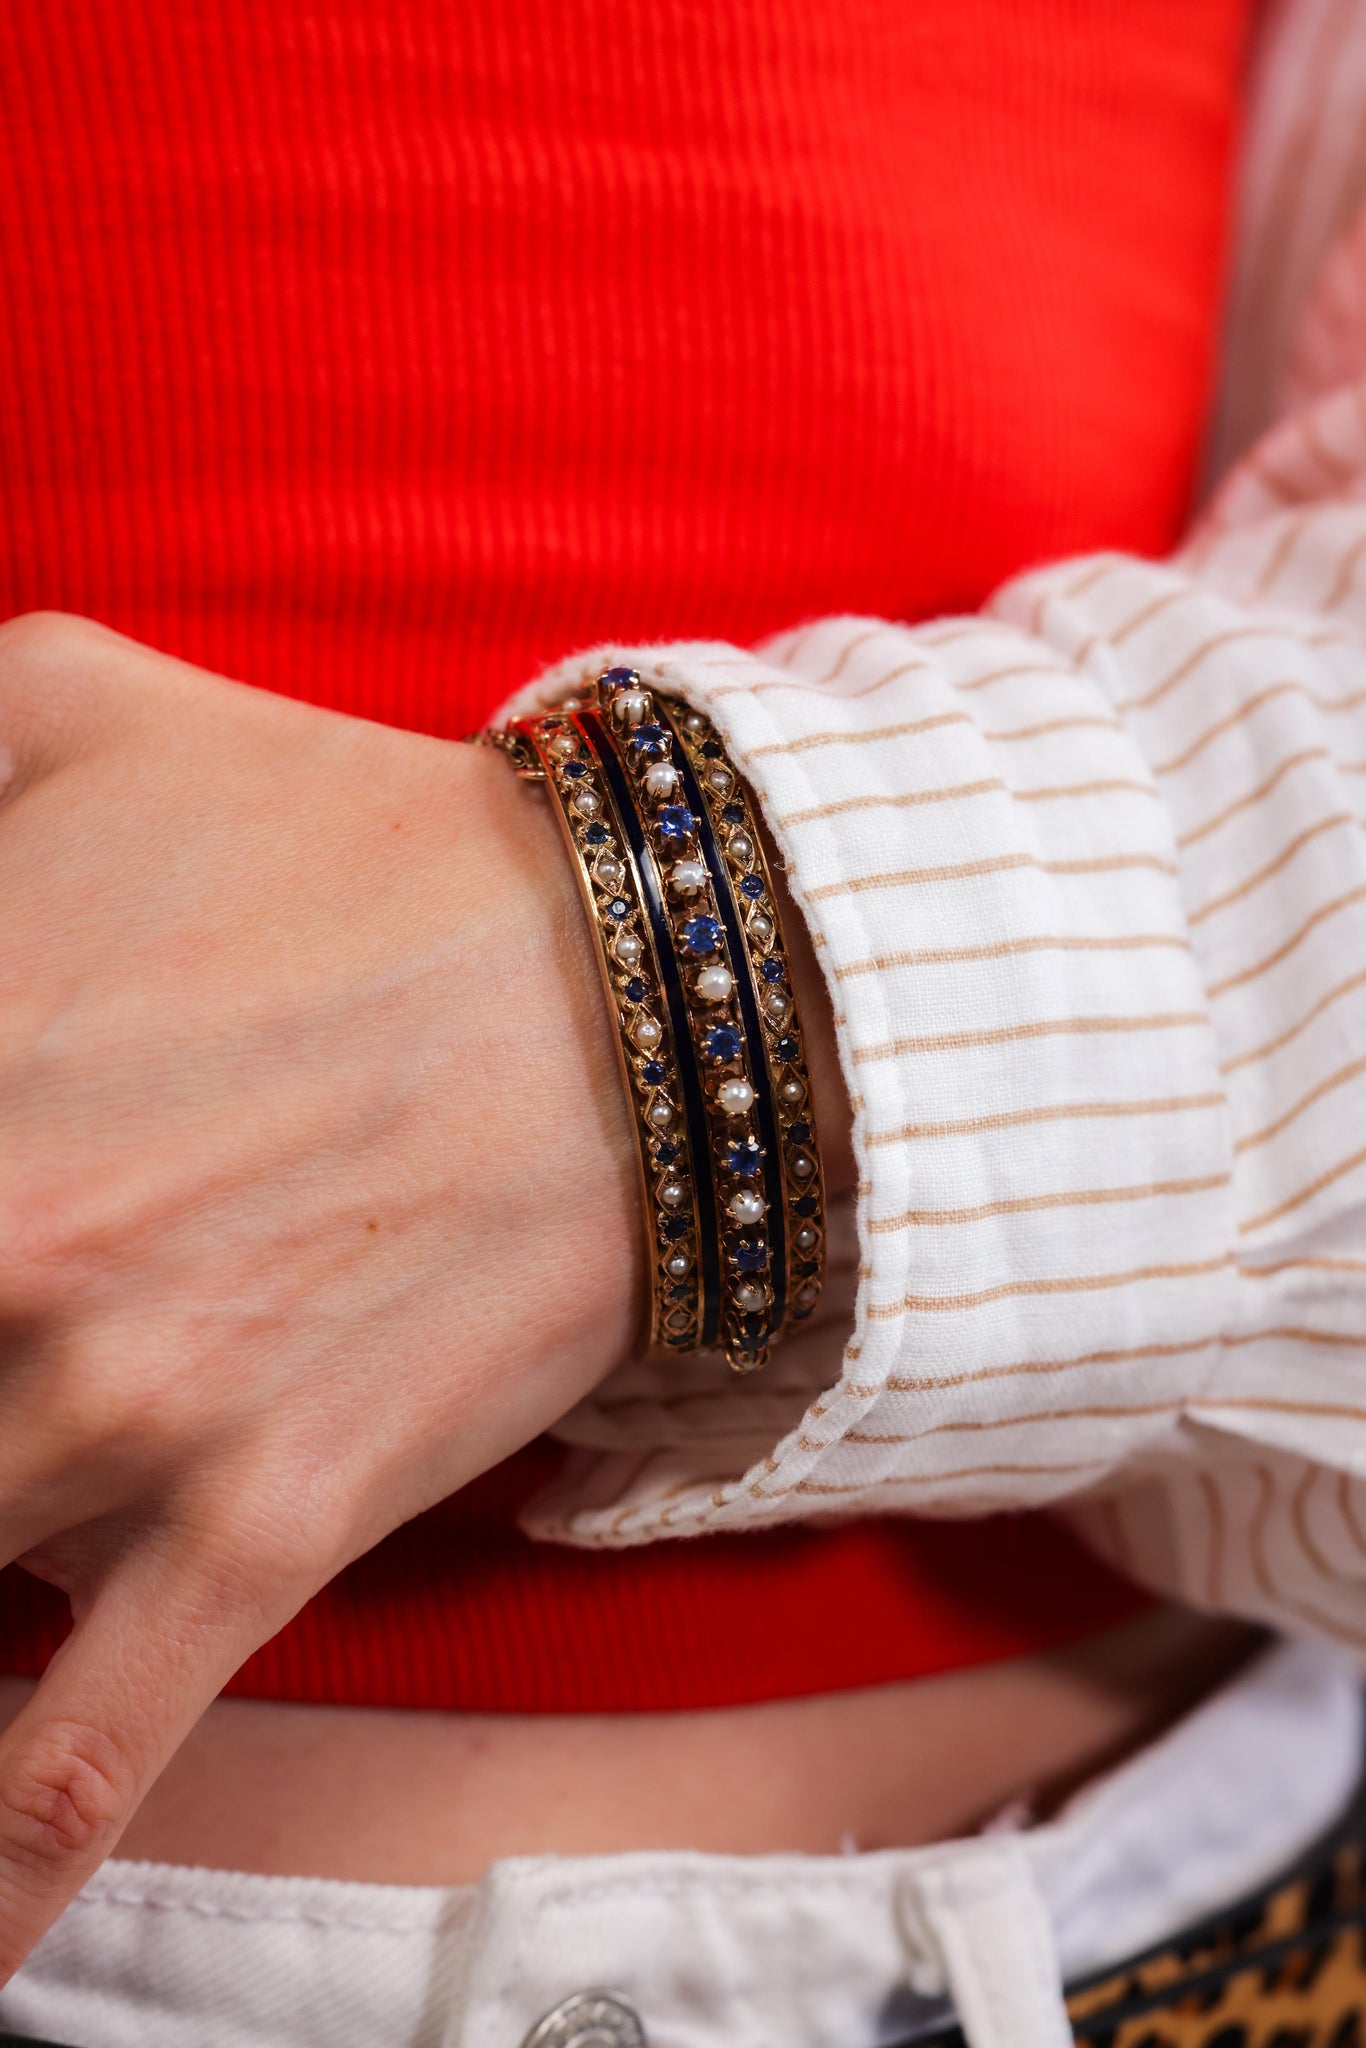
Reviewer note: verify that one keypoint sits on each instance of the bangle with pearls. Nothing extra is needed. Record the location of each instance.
(648, 1010)
(673, 872)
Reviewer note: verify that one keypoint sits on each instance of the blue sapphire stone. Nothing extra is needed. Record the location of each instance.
(788, 1048)
(721, 1042)
(653, 1073)
(751, 1255)
(806, 1267)
(800, 1134)
(807, 1206)
(572, 770)
(636, 990)
(618, 678)
(676, 821)
(596, 835)
(618, 907)
(734, 814)
(751, 885)
(701, 935)
(666, 1153)
(676, 1226)
(680, 1291)
(772, 970)
(744, 1157)
(711, 750)
(646, 736)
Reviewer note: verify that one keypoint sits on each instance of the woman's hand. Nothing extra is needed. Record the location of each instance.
(317, 1193)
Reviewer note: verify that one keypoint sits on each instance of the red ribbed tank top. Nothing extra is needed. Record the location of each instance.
(381, 351)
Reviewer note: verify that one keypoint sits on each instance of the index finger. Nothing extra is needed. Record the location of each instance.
(122, 1693)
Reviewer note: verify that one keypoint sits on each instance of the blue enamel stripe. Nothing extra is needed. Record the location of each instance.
(694, 1103)
(729, 914)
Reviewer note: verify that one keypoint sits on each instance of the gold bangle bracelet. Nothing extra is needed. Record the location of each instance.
(673, 873)
(553, 750)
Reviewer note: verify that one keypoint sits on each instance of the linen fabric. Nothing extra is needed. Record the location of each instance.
(380, 352)
(724, 1952)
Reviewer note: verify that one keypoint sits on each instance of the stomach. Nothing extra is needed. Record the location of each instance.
(432, 1798)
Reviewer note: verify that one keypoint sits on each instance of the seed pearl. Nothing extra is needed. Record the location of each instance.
(661, 779)
(631, 707)
(647, 1032)
(746, 1207)
(570, 703)
(677, 1266)
(673, 1194)
(609, 871)
(791, 1090)
(740, 847)
(563, 745)
(806, 1239)
(661, 1114)
(803, 1167)
(628, 948)
(750, 1298)
(762, 927)
(585, 802)
(686, 877)
(735, 1097)
(807, 1295)
(714, 984)
(775, 1005)
(694, 722)
(719, 778)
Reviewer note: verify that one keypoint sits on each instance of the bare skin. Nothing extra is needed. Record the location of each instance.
(433, 1798)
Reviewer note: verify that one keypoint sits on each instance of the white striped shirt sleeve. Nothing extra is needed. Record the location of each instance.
(1087, 878)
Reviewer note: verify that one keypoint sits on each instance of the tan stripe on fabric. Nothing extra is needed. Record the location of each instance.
(1040, 1471)
(1297, 1109)
(1273, 867)
(904, 1383)
(1296, 1333)
(1230, 637)
(1002, 949)
(1288, 688)
(1064, 1283)
(1305, 1194)
(1292, 1031)
(979, 1425)
(1345, 581)
(1043, 1027)
(1283, 951)
(1308, 1262)
(1253, 797)
(1043, 1113)
(995, 864)
(1025, 1205)
(869, 736)
(851, 647)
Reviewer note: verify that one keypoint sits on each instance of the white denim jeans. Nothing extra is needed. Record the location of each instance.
(852, 1951)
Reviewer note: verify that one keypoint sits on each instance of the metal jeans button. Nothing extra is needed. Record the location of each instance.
(589, 2019)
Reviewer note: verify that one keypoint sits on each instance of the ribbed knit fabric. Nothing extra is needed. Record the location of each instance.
(379, 353)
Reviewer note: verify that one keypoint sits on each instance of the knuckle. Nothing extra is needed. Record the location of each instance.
(66, 1796)
(36, 643)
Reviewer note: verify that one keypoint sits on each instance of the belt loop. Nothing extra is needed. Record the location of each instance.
(975, 1925)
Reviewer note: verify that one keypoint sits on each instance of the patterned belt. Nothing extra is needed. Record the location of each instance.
(1284, 1968)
